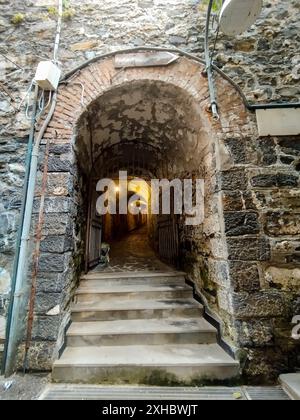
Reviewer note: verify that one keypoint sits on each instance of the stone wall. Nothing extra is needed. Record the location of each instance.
(258, 180)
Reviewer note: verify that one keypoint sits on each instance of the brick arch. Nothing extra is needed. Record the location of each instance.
(61, 257)
(101, 77)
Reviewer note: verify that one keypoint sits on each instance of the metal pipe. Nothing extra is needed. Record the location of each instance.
(36, 258)
(209, 67)
(58, 31)
(19, 235)
(13, 339)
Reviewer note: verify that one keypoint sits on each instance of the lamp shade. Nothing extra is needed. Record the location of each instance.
(237, 16)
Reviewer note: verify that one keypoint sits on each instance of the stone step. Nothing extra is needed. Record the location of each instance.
(140, 291)
(291, 385)
(133, 332)
(133, 278)
(115, 309)
(165, 364)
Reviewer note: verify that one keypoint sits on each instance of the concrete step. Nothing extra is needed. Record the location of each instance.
(115, 309)
(134, 278)
(291, 385)
(133, 332)
(164, 364)
(139, 291)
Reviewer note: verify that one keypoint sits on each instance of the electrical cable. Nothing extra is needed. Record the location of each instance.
(58, 31)
(250, 107)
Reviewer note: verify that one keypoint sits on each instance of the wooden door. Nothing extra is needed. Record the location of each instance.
(94, 232)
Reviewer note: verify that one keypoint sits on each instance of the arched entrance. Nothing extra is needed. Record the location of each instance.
(151, 130)
(151, 122)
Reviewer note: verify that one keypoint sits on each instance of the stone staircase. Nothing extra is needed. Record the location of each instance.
(140, 328)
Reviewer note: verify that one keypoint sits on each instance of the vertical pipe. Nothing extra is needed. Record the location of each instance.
(209, 67)
(19, 235)
(13, 338)
(36, 258)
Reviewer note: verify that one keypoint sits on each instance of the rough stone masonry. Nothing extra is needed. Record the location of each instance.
(260, 185)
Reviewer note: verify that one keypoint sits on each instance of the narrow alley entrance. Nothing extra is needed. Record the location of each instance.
(132, 252)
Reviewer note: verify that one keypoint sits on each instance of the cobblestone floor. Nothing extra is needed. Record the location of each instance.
(133, 253)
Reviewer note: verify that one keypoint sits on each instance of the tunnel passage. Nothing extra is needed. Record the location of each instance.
(152, 130)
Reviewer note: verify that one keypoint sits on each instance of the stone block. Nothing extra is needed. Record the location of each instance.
(264, 365)
(290, 145)
(44, 302)
(262, 304)
(41, 356)
(274, 199)
(241, 223)
(255, 333)
(238, 201)
(282, 223)
(266, 152)
(57, 244)
(53, 205)
(232, 180)
(51, 282)
(244, 276)
(248, 249)
(52, 262)
(59, 164)
(285, 251)
(46, 328)
(59, 184)
(285, 279)
(275, 180)
(237, 150)
(56, 224)
(219, 272)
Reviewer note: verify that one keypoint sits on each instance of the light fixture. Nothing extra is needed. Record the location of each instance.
(237, 16)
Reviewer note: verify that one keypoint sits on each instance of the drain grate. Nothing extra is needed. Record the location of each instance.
(88, 392)
(275, 393)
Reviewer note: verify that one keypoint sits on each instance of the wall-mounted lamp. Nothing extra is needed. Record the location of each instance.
(235, 17)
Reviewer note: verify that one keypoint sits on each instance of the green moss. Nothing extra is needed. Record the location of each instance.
(18, 18)
(52, 11)
(68, 14)
(160, 378)
(217, 5)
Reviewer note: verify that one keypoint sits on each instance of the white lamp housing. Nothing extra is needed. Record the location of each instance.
(237, 16)
(47, 75)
